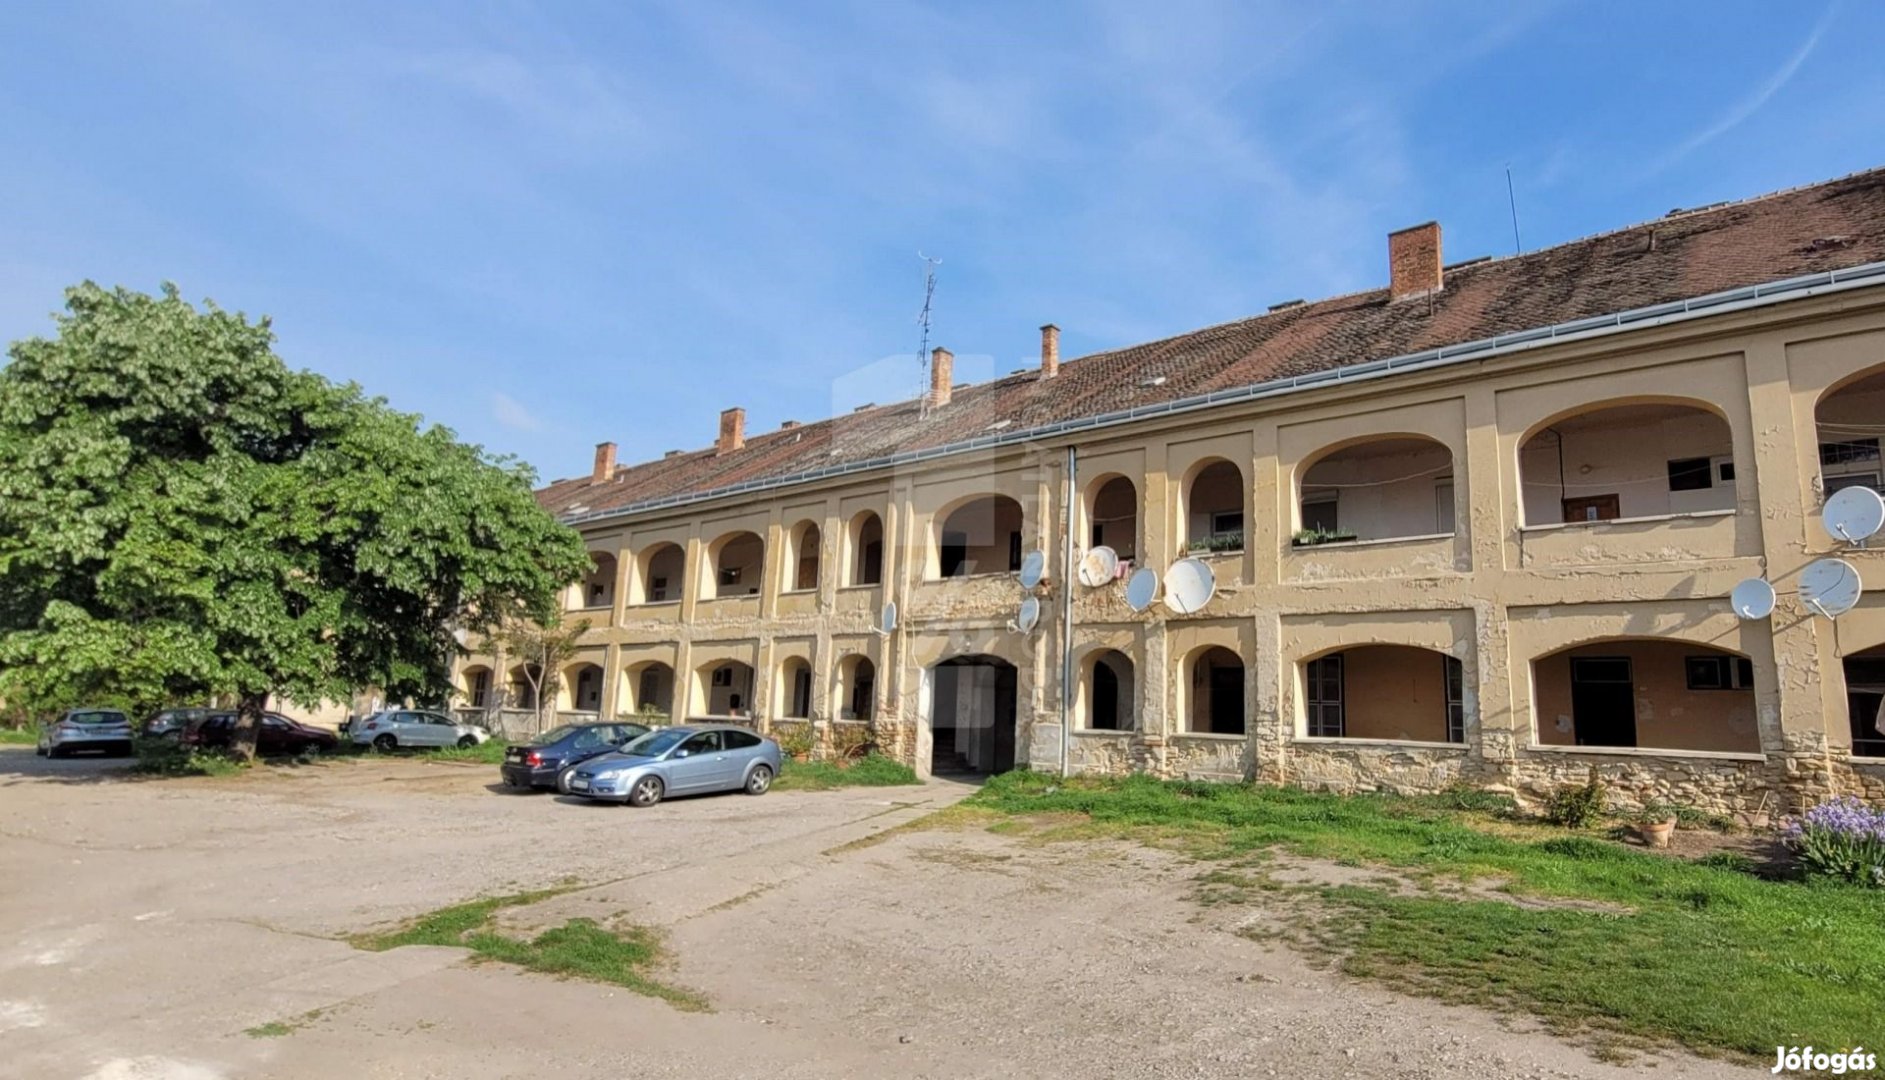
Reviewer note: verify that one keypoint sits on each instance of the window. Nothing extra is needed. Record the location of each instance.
(658, 589)
(729, 575)
(1319, 513)
(1719, 672)
(955, 552)
(1593, 508)
(1849, 452)
(740, 740)
(802, 692)
(1724, 469)
(1227, 523)
(723, 676)
(1443, 505)
(707, 742)
(1691, 474)
(1455, 700)
(1323, 681)
(1014, 551)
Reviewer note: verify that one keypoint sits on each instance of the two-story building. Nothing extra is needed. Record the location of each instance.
(1478, 526)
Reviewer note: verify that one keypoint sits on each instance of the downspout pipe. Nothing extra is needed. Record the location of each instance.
(1066, 612)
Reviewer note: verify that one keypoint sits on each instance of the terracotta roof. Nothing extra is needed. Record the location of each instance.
(1823, 227)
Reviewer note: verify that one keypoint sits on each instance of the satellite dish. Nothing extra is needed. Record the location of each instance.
(1029, 616)
(1141, 588)
(1830, 587)
(1752, 599)
(1189, 585)
(1032, 569)
(887, 623)
(1098, 567)
(1853, 515)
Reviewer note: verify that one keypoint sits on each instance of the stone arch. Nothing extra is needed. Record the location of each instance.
(1384, 691)
(1627, 691)
(1108, 691)
(475, 684)
(647, 689)
(1111, 505)
(1213, 499)
(972, 714)
(736, 563)
(1375, 487)
(864, 561)
(597, 587)
(794, 690)
(1628, 457)
(803, 556)
(1211, 692)
(854, 690)
(724, 688)
(1849, 422)
(660, 571)
(979, 534)
(579, 689)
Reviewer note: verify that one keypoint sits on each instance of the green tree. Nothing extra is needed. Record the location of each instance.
(181, 515)
(543, 648)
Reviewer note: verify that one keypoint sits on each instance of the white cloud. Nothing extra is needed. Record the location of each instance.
(511, 413)
(1752, 103)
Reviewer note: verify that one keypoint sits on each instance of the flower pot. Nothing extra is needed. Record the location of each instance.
(1656, 833)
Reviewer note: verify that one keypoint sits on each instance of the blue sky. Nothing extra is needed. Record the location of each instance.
(545, 225)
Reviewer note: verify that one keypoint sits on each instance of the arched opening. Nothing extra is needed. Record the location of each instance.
(1214, 508)
(475, 684)
(972, 715)
(648, 690)
(658, 575)
(795, 688)
(1215, 692)
(1109, 691)
(581, 688)
(1627, 461)
(866, 563)
(1851, 419)
(597, 588)
(1396, 692)
(1654, 693)
(802, 552)
(981, 536)
(522, 685)
(1112, 513)
(1865, 701)
(857, 688)
(736, 562)
(724, 688)
(1378, 489)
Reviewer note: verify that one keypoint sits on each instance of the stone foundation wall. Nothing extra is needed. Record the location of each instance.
(1402, 770)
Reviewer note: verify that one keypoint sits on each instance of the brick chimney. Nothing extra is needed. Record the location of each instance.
(605, 463)
(1414, 261)
(732, 431)
(1050, 351)
(942, 373)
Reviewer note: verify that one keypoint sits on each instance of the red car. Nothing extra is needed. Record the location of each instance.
(277, 735)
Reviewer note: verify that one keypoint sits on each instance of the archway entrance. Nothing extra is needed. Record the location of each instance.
(972, 716)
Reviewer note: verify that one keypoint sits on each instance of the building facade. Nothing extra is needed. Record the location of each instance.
(1478, 527)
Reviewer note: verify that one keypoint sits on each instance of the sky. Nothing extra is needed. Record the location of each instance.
(548, 225)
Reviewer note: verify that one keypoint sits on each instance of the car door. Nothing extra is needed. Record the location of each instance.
(741, 747)
(273, 736)
(696, 764)
(417, 729)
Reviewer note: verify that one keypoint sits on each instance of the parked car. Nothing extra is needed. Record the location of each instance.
(276, 735)
(108, 730)
(169, 724)
(394, 728)
(688, 760)
(538, 763)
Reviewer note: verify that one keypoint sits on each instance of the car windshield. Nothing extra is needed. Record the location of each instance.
(97, 716)
(655, 743)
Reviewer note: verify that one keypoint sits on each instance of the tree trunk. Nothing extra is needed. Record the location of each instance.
(249, 710)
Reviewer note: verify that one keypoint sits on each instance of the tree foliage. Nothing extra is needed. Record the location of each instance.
(181, 515)
(542, 647)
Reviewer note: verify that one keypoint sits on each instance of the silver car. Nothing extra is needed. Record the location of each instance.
(689, 760)
(86, 729)
(394, 728)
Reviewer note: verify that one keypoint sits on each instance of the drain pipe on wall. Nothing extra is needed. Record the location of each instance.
(1066, 615)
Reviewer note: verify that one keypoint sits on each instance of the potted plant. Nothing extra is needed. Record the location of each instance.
(1657, 825)
(1312, 537)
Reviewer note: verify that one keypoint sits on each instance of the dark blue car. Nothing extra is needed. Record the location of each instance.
(536, 764)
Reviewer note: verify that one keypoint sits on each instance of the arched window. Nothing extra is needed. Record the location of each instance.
(1641, 459)
(1394, 692)
(737, 561)
(524, 682)
(648, 689)
(1851, 421)
(1659, 693)
(1214, 507)
(1376, 490)
(795, 688)
(1865, 701)
(724, 688)
(857, 688)
(659, 571)
(477, 686)
(1109, 691)
(866, 563)
(1112, 510)
(1215, 692)
(597, 588)
(803, 556)
(581, 688)
(980, 536)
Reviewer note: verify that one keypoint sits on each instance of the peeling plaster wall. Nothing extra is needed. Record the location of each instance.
(1497, 594)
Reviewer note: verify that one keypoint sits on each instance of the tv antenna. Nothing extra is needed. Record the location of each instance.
(922, 320)
(1512, 201)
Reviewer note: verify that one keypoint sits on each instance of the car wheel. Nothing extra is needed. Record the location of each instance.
(467, 743)
(383, 743)
(760, 781)
(646, 792)
(53, 752)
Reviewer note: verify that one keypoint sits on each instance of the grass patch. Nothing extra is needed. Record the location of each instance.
(490, 752)
(276, 1029)
(873, 770)
(1699, 953)
(18, 737)
(163, 757)
(580, 948)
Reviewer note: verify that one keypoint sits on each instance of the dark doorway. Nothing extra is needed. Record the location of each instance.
(1227, 700)
(1603, 702)
(1105, 698)
(972, 719)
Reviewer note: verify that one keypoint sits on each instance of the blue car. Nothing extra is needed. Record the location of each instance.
(537, 763)
(689, 760)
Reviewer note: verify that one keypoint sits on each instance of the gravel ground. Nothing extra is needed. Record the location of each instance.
(154, 922)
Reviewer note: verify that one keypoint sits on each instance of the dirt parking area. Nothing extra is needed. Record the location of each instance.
(154, 927)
